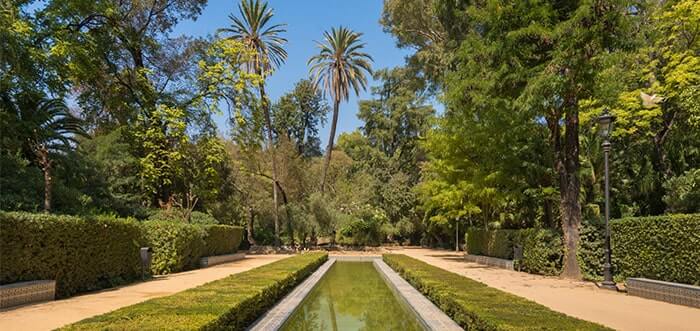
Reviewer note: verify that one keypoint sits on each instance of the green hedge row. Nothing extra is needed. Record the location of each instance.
(178, 246)
(495, 243)
(232, 303)
(475, 306)
(542, 248)
(222, 239)
(658, 247)
(89, 253)
(81, 254)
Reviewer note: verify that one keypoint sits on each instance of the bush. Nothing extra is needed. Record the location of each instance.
(475, 306)
(222, 239)
(543, 251)
(591, 250)
(683, 192)
(542, 248)
(176, 246)
(658, 247)
(232, 303)
(178, 215)
(495, 243)
(80, 253)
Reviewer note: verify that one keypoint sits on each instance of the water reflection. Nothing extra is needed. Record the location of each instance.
(352, 296)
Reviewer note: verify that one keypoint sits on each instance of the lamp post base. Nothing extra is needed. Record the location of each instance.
(608, 285)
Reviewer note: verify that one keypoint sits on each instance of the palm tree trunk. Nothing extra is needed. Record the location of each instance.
(271, 147)
(329, 149)
(48, 183)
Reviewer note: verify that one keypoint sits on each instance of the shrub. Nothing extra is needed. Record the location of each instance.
(591, 250)
(495, 243)
(178, 215)
(475, 306)
(80, 253)
(657, 247)
(543, 251)
(176, 246)
(222, 239)
(683, 192)
(232, 303)
(542, 248)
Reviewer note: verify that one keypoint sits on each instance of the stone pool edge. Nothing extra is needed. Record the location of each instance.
(429, 315)
(274, 318)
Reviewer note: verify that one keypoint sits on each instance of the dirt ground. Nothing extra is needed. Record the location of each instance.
(579, 299)
(54, 314)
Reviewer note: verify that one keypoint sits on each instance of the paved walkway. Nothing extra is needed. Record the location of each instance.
(54, 314)
(579, 299)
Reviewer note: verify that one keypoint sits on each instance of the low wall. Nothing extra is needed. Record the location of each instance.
(680, 294)
(491, 261)
(27, 292)
(209, 261)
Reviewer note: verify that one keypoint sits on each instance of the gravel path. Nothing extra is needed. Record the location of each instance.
(54, 314)
(579, 299)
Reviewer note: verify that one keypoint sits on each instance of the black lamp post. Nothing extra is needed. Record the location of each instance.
(605, 122)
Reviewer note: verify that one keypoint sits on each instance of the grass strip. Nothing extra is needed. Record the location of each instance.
(476, 306)
(231, 303)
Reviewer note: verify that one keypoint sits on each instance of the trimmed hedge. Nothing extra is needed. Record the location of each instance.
(475, 306)
(80, 253)
(176, 246)
(232, 303)
(222, 239)
(494, 243)
(658, 247)
(542, 248)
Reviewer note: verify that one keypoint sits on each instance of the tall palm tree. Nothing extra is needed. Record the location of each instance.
(339, 66)
(50, 130)
(254, 30)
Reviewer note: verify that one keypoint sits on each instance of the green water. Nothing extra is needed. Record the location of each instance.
(352, 296)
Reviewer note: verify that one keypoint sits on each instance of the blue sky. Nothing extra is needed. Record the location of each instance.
(306, 20)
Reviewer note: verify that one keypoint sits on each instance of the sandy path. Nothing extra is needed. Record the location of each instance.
(54, 314)
(580, 299)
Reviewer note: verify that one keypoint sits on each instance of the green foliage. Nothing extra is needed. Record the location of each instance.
(176, 246)
(657, 247)
(364, 229)
(298, 115)
(542, 248)
(232, 303)
(221, 239)
(591, 253)
(543, 251)
(683, 192)
(475, 306)
(80, 253)
(495, 243)
(180, 215)
(21, 183)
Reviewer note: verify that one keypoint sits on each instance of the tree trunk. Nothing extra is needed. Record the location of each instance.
(251, 220)
(271, 147)
(569, 186)
(329, 149)
(45, 163)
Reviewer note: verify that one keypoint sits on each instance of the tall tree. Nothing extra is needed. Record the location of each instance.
(254, 29)
(298, 115)
(339, 66)
(50, 131)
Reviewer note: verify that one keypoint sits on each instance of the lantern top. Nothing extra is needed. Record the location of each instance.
(605, 122)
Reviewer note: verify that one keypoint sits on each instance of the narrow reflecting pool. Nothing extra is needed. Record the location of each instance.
(352, 296)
